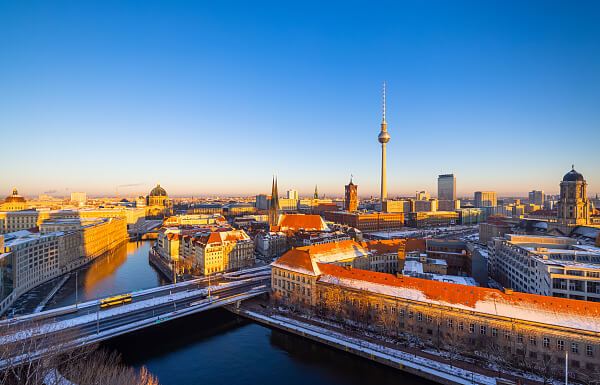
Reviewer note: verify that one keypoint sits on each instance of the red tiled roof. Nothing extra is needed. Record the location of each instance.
(385, 246)
(393, 245)
(295, 259)
(300, 221)
(455, 294)
(414, 244)
(328, 247)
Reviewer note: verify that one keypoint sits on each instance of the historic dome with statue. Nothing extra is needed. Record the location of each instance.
(14, 202)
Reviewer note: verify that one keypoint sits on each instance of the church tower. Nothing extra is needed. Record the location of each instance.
(573, 206)
(274, 204)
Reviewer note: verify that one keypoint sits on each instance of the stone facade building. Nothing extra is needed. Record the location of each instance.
(217, 251)
(524, 330)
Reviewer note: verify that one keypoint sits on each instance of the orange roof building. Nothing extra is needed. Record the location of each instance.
(296, 222)
(568, 313)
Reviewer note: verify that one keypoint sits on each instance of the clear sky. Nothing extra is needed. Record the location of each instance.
(215, 97)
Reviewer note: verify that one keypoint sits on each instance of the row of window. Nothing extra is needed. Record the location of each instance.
(482, 330)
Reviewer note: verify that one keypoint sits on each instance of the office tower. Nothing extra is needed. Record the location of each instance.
(536, 197)
(485, 199)
(422, 195)
(447, 187)
(351, 197)
(383, 138)
(292, 194)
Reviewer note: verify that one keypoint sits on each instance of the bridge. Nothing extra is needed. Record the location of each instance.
(97, 320)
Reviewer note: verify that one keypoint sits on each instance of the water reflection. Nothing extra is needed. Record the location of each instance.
(217, 347)
(125, 269)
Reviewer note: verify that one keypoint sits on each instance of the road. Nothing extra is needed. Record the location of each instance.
(67, 327)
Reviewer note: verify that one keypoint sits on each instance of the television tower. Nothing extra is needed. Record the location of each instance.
(383, 138)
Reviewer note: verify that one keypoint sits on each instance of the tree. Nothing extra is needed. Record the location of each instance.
(36, 353)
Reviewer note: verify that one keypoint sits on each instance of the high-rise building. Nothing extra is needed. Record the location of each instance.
(383, 138)
(262, 202)
(274, 204)
(447, 187)
(536, 197)
(351, 197)
(485, 199)
(79, 198)
(573, 206)
(292, 194)
(422, 195)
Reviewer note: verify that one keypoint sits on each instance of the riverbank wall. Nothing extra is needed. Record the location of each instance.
(161, 265)
(430, 369)
(8, 302)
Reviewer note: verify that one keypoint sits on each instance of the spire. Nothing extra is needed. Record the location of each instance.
(316, 196)
(274, 205)
(383, 115)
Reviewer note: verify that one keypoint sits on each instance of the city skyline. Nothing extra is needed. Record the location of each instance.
(139, 189)
(490, 102)
(439, 214)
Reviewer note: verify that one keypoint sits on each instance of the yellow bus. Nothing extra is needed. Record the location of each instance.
(115, 300)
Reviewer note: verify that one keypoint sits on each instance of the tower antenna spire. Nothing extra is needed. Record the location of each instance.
(383, 102)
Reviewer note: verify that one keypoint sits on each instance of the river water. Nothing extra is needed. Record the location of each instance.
(216, 347)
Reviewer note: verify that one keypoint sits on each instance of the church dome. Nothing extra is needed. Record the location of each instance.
(14, 197)
(158, 191)
(573, 176)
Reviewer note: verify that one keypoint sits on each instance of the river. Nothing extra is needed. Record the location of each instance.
(216, 347)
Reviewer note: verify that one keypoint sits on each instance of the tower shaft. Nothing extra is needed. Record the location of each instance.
(383, 174)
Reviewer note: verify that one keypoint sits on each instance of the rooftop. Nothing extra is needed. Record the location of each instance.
(295, 222)
(568, 313)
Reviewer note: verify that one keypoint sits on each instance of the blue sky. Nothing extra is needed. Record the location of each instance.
(215, 97)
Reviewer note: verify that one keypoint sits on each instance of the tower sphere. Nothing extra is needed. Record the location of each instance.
(384, 137)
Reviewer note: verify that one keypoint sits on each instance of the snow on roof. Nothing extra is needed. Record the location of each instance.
(298, 261)
(223, 236)
(586, 231)
(304, 259)
(335, 251)
(568, 313)
(412, 267)
(459, 280)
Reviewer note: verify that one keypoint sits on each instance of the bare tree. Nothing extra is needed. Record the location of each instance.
(103, 367)
(589, 377)
(36, 353)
